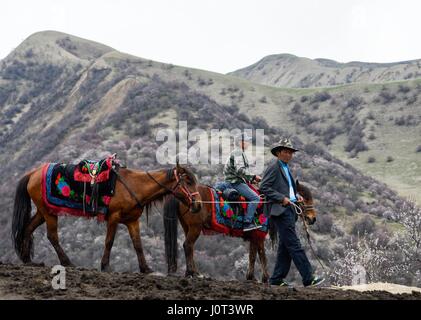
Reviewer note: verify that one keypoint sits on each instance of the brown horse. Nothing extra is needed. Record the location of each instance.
(135, 191)
(194, 223)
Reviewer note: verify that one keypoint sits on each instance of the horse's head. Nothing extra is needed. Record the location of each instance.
(186, 188)
(307, 207)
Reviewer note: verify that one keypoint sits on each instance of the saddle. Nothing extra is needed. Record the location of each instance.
(89, 181)
(94, 171)
(234, 200)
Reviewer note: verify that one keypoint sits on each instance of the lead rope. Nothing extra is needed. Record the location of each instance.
(299, 212)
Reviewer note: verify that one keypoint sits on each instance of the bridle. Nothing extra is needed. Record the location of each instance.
(305, 207)
(302, 208)
(179, 185)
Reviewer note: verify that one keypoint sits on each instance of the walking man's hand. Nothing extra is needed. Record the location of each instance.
(286, 201)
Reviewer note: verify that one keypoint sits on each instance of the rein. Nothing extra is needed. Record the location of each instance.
(183, 188)
(299, 211)
(139, 203)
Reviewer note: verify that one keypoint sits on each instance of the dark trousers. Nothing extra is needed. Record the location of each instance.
(289, 248)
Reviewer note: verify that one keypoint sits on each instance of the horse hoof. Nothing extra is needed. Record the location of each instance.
(105, 268)
(69, 265)
(146, 270)
(251, 278)
(194, 275)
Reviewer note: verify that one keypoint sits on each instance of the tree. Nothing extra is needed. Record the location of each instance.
(409, 215)
(320, 97)
(371, 159)
(364, 260)
(263, 99)
(368, 258)
(364, 225)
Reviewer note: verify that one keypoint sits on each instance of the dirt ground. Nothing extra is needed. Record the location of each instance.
(34, 282)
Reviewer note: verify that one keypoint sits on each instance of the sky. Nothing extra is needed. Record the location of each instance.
(226, 35)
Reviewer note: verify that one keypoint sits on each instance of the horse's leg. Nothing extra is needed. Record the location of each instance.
(186, 230)
(113, 221)
(52, 236)
(252, 260)
(134, 232)
(263, 261)
(35, 222)
(188, 245)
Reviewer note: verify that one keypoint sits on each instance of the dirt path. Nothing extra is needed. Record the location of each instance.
(27, 282)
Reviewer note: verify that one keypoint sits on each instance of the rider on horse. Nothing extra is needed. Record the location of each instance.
(237, 175)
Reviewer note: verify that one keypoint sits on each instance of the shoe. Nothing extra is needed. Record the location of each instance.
(315, 282)
(281, 283)
(251, 226)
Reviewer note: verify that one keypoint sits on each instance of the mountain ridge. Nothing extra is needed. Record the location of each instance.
(287, 70)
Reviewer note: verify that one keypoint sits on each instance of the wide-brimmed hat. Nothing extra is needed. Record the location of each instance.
(283, 143)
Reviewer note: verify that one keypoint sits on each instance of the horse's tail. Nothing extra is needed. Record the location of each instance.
(273, 233)
(171, 211)
(21, 216)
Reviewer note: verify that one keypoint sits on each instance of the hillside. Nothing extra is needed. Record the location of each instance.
(368, 114)
(63, 98)
(375, 128)
(289, 71)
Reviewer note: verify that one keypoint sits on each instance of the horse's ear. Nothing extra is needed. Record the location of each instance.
(297, 183)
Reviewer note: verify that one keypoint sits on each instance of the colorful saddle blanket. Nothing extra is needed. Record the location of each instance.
(63, 194)
(228, 218)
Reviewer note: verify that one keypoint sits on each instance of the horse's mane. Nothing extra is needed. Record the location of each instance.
(305, 192)
(190, 174)
(161, 198)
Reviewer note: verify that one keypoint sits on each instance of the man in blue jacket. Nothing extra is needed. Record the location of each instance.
(280, 190)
